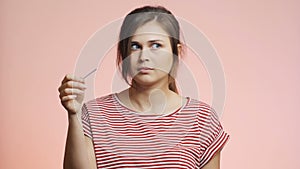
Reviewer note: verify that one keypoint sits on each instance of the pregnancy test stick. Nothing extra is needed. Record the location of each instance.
(87, 75)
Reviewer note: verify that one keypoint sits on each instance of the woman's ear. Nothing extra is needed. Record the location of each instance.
(179, 49)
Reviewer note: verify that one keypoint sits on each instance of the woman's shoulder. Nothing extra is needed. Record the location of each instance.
(198, 104)
(202, 108)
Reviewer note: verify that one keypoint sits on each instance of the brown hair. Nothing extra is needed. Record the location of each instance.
(133, 21)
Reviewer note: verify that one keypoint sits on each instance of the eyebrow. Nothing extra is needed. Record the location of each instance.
(150, 41)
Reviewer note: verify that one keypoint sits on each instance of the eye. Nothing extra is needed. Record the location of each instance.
(135, 46)
(155, 46)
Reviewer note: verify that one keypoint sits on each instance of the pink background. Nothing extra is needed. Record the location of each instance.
(258, 44)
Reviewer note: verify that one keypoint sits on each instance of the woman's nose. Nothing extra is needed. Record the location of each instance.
(144, 55)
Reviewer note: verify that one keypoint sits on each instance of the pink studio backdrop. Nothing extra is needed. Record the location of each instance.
(257, 42)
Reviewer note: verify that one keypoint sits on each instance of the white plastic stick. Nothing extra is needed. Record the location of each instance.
(87, 75)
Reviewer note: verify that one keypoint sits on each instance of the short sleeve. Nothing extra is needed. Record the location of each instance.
(214, 138)
(86, 121)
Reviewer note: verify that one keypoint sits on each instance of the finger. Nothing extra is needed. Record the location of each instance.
(70, 91)
(72, 77)
(68, 97)
(72, 84)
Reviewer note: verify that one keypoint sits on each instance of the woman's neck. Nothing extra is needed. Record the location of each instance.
(149, 99)
(145, 100)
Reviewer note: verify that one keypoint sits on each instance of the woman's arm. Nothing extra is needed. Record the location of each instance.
(214, 163)
(91, 152)
(79, 151)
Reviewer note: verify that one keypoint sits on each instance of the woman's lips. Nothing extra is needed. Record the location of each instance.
(145, 69)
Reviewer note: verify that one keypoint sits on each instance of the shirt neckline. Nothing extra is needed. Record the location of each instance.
(118, 101)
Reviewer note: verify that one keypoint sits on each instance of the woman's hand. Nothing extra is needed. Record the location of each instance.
(72, 93)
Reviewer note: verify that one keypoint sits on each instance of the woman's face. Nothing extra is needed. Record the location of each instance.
(151, 55)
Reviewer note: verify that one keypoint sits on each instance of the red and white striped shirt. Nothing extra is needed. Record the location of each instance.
(122, 138)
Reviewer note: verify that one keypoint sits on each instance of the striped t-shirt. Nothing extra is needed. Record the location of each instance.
(122, 138)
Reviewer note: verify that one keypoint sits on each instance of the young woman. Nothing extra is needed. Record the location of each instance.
(148, 125)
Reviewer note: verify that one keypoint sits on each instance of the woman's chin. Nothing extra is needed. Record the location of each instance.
(147, 81)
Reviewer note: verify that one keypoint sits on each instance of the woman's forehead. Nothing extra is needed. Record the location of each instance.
(149, 29)
(150, 37)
